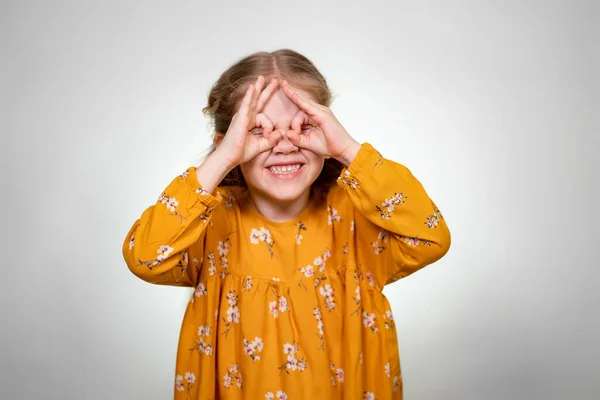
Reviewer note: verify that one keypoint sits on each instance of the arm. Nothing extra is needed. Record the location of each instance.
(399, 229)
(165, 245)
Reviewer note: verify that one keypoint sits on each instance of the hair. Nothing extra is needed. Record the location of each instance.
(229, 90)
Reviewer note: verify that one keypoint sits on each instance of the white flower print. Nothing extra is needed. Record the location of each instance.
(386, 369)
(388, 316)
(308, 271)
(163, 252)
(352, 226)
(280, 395)
(369, 276)
(252, 349)
(232, 375)
(131, 242)
(388, 205)
(333, 215)
(369, 396)
(337, 374)
(383, 238)
(280, 304)
(301, 227)
(273, 309)
(200, 290)
(292, 363)
(397, 380)
(202, 192)
(434, 219)
(190, 379)
(178, 383)
(201, 345)
(361, 357)
(327, 292)
(320, 332)
(283, 304)
(347, 180)
(223, 248)
(262, 235)
(233, 313)
(248, 283)
(369, 321)
(412, 241)
(212, 269)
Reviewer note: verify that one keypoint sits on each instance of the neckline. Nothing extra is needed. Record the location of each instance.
(292, 222)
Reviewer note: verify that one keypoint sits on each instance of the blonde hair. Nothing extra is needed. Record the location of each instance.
(228, 91)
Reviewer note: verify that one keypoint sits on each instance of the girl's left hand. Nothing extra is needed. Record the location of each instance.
(327, 137)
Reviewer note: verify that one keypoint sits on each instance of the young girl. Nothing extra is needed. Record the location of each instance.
(288, 231)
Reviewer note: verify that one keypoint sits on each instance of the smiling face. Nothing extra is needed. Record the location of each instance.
(284, 174)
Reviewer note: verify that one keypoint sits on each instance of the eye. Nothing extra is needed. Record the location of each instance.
(307, 127)
(256, 131)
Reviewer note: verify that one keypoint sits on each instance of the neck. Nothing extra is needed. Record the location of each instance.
(276, 210)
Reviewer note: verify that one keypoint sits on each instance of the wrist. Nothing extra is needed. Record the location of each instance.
(350, 153)
(219, 157)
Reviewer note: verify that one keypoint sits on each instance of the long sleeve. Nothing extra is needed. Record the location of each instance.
(399, 229)
(165, 245)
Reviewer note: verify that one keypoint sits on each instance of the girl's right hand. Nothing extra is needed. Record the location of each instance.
(241, 143)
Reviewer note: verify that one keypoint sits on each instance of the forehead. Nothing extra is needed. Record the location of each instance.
(280, 106)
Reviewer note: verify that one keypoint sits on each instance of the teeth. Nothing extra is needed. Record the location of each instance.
(285, 169)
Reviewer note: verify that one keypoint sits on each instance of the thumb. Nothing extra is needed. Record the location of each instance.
(296, 139)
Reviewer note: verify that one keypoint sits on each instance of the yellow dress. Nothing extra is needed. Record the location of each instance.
(290, 310)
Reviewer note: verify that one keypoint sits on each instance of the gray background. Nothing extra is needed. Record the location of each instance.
(492, 105)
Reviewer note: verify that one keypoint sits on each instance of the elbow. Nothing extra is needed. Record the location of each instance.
(137, 267)
(441, 245)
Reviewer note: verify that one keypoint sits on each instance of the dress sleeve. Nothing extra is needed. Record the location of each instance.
(165, 245)
(399, 229)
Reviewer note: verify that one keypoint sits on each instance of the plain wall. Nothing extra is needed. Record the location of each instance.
(492, 105)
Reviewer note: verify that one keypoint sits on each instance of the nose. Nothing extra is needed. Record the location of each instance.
(284, 145)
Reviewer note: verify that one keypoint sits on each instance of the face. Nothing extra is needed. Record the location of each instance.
(286, 172)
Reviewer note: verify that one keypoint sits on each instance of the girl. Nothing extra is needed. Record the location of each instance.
(288, 231)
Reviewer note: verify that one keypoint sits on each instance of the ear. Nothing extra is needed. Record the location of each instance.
(218, 138)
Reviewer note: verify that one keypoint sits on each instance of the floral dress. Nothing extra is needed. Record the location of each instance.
(290, 310)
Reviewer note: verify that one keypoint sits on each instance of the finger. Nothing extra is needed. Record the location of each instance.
(298, 119)
(273, 139)
(264, 96)
(258, 87)
(297, 139)
(305, 104)
(246, 100)
(264, 122)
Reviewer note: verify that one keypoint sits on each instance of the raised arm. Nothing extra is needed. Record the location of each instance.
(165, 245)
(399, 229)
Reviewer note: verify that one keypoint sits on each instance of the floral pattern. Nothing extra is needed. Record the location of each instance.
(388, 205)
(233, 377)
(263, 235)
(281, 313)
(253, 349)
(293, 363)
(233, 312)
(201, 345)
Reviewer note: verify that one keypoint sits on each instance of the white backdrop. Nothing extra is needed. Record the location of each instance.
(492, 105)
